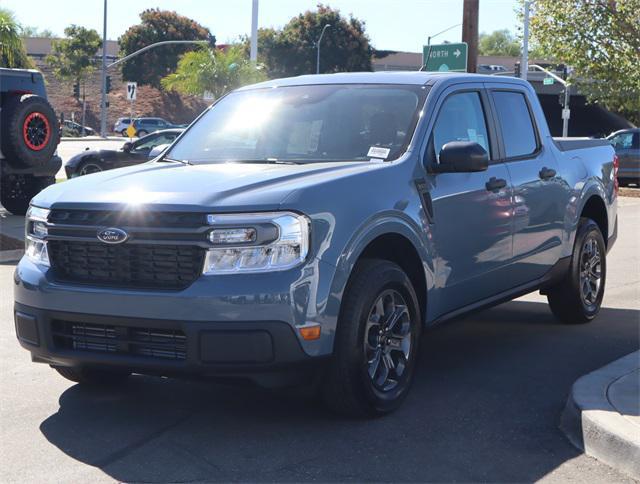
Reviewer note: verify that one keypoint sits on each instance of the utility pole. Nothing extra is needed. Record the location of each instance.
(103, 77)
(318, 46)
(254, 32)
(470, 32)
(524, 64)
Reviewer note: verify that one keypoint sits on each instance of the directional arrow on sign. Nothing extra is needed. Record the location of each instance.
(457, 52)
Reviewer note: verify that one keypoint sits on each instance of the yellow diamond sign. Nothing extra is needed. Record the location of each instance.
(131, 131)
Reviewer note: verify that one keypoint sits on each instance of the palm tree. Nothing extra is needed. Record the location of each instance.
(12, 52)
(216, 71)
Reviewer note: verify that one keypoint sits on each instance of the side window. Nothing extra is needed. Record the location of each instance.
(461, 118)
(622, 141)
(636, 141)
(518, 132)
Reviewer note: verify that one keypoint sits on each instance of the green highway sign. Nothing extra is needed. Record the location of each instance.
(445, 57)
(547, 81)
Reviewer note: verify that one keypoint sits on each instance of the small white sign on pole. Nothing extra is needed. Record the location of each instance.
(566, 113)
(132, 91)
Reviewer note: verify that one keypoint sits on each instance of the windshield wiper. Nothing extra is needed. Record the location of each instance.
(266, 161)
(171, 160)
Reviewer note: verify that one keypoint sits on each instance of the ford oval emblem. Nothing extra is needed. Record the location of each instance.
(112, 236)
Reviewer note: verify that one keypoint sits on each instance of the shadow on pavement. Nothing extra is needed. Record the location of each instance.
(485, 407)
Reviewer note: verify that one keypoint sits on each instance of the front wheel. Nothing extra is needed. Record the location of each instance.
(16, 191)
(88, 168)
(578, 297)
(376, 342)
(141, 133)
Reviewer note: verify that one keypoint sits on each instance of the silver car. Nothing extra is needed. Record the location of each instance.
(121, 126)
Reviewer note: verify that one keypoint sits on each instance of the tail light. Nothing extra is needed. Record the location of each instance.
(616, 165)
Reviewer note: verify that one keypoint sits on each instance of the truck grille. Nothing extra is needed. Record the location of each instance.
(150, 342)
(104, 218)
(170, 267)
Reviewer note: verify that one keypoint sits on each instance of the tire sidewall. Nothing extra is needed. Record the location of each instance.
(14, 147)
(385, 276)
(588, 229)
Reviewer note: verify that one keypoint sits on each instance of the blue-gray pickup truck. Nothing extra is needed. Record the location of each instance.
(309, 229)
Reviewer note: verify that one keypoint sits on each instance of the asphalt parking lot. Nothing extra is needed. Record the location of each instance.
(485, 406)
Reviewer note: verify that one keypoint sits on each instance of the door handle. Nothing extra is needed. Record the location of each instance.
(547, 173)
(495, 184)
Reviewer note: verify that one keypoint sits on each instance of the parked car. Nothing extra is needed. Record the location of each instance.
(29, 136)
(491, 69)
(626, 142)
(139, 151)
(314, 227)
(121, 126)
(145, 126)
(71, 128)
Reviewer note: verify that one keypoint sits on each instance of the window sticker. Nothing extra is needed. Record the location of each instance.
(378, 152)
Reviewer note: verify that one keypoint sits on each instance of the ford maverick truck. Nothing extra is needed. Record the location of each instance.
(310, 229)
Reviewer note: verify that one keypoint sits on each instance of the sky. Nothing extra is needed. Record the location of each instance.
(391, 24)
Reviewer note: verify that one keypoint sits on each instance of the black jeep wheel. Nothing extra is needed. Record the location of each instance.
(578, 297)
(376, 342)
(30, 131)
(16, 191)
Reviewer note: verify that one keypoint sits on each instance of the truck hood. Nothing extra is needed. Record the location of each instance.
(174, 186)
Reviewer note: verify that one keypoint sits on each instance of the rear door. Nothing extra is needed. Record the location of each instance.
(539, 195)
(471, 216)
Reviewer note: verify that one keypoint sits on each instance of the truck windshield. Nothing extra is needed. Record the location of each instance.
(319, 123)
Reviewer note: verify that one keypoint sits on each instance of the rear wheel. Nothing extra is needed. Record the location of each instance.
(88, 168)
(30, 131)
(93, 376)
(578, 297)
(376, 342)
(16, 191)
(141, 133)
(124, 133)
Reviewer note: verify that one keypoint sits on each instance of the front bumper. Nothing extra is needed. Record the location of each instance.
(265, 352)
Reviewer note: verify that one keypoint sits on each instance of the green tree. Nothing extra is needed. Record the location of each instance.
(292, 50)
(217, 71)
(600, 41)
(12, 51)
(73, 57)
(499, 42)
(157, 25)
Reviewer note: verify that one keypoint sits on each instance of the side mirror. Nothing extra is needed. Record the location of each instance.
(462, 157)
(126, 147)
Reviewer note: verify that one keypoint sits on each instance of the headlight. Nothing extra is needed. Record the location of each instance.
(259, 242)
(35, 231)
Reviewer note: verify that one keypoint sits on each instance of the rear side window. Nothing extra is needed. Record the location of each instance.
(518, 132)
(461, 118)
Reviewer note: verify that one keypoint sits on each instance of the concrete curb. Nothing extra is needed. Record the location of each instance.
(11, 255)
(593, 419)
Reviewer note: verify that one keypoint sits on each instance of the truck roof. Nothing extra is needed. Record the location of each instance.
(417, 78)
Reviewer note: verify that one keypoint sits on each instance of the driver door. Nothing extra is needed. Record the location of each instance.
(472, 212)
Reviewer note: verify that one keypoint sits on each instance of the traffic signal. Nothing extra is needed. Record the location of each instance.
(76, 90)
(108, 84)
(517, 70)
(212, 41)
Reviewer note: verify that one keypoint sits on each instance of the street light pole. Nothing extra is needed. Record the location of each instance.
(254, 32)
(524, 64)
(103, 77)
(424, 61)
(318, 46)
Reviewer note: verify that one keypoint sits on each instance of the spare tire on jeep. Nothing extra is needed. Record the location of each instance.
(30, 131)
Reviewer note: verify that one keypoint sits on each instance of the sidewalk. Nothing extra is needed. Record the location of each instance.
(602, 415)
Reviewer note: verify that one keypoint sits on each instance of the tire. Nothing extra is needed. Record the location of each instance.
(124, 133)
(355, 385)
(141, 133)
(16, 191)
(89, 167)
(93, 376)
(30, 131)
(578, 297)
